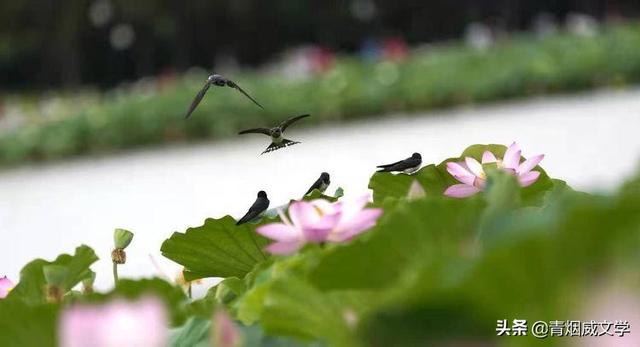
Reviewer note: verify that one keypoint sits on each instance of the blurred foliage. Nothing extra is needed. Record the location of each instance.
(194, 333)
(433, 271)
(27, 325)
(48, 43)
(435, 76)
(218, 248)
(173, 296)
(32, 277)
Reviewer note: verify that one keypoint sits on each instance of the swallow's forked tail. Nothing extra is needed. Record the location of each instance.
(276, 146)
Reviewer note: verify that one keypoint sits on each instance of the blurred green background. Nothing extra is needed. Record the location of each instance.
(98, 76)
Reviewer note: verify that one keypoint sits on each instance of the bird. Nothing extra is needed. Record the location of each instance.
(321, 184)
(277, 141)
(219, 81)
(408, 166)
(260, 205)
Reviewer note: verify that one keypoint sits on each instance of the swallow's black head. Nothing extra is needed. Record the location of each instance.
(416, 156)
(262, 194)
(276, 132)
(324, 176)
(216, 79)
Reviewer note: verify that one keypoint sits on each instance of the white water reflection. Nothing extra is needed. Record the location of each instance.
(590, 140)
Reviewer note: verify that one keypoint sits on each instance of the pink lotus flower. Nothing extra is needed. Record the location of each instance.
(473, 178)
(319, 221)
(5, 287)
(118, 323)
(224, 331)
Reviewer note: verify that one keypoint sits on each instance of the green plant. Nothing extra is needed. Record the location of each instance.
(434, 270)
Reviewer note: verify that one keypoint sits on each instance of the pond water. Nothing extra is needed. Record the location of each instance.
(590, 140)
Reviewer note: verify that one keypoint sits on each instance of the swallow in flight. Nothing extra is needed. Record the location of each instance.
(277, 141)
(219, 81)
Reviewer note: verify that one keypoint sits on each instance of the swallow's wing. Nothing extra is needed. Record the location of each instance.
(390, 165)
(315, 185)
(400, 165)
(407, 163)
(284, 125)
(247, 217)
(265, 131)
(197, 99)
(259, 206)
(232, 84)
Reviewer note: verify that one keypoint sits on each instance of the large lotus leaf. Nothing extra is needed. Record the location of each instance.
(248, 308)
(316, 194)
(547, 263)
(218, 248)
(229, 289)
(254, 335)
(293, 307)
(387, 185)
(582, 233)
(446, 320)
(425, 230)
(194, 333)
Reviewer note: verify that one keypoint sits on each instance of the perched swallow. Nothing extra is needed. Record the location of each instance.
(277, 141)
(408, 166)
(261, 205)
(321, 184)
(219, 81)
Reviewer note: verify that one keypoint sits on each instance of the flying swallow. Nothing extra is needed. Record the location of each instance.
(408, 166)
(321, 184)
(219, 81)
(277, 141)
(260, 205)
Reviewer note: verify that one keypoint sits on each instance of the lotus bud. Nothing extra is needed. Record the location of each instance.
(224, 332)
(5, 286)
